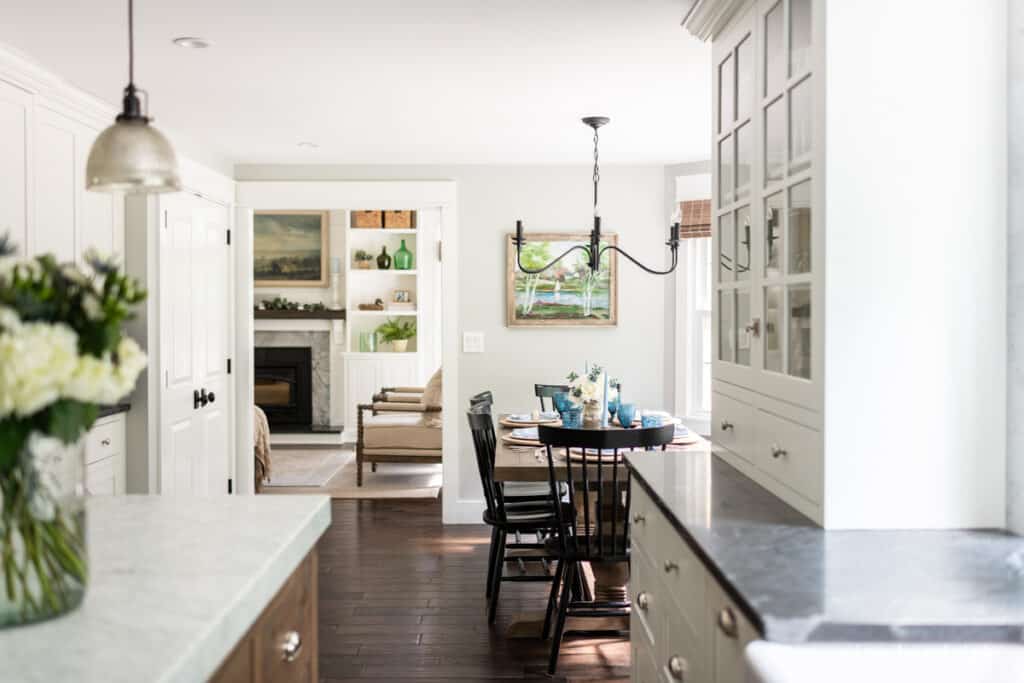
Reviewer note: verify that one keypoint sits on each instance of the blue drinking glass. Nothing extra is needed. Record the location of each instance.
(571, 418)
(613, 405)
(650, 421)
(561, 401)
(627, 413)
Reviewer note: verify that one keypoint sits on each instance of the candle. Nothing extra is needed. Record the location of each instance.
(604, 403)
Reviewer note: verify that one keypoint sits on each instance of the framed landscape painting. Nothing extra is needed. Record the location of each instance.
(289, 248)
(566, 294)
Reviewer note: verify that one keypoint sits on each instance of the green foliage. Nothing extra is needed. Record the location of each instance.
(361, 255)
(535, 254)
(281, 303)
(68, 419)
(397, 330)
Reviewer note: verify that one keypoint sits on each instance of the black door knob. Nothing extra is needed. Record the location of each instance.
(210, 396)
(199, 399)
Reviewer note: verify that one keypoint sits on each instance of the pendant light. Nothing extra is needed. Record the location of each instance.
(594, 251)
(132, 155)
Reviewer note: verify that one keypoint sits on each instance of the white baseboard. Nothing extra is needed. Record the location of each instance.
(463, 511)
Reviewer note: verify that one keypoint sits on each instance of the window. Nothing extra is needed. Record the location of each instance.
(694, 290)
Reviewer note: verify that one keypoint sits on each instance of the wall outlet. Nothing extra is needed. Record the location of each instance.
(472, 342)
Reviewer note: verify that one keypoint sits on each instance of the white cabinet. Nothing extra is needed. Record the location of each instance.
(858, 323)
(683, 625)
(105, 457)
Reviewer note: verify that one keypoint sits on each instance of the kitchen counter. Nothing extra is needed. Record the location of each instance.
(114, 409)
(798, 583)
(175, 584)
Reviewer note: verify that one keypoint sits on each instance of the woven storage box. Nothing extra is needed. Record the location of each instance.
(400, 219)
(367, 219)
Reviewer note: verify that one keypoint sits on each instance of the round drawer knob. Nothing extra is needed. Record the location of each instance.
(778, 451)
(671, 566)
(638, 518)
(678, 667)
(291, 646)
(726, 425)
(105, 442)
(727, 622)
(643, 600)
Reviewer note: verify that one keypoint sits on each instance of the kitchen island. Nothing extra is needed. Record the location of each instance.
(176, 587)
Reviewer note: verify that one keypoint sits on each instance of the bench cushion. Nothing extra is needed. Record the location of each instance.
(399, 432)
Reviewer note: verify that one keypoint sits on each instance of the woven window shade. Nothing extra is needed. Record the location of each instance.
(696, 220)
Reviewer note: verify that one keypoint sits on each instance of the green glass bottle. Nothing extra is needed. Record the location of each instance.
(403, 258)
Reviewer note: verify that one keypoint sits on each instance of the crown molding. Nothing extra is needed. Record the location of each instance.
(705, 19)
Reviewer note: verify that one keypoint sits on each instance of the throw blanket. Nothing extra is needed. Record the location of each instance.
(261, 441)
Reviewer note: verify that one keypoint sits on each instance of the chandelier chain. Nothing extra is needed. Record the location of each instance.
(597, 169)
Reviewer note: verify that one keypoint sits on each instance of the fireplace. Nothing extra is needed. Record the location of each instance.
(283, 385)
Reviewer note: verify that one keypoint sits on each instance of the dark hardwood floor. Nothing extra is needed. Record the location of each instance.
(401, 599)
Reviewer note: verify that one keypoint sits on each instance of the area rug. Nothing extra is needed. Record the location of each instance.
(395, 481)
(305, 467)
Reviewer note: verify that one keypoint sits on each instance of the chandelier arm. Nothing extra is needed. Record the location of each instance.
(565, 253)
(675, 260)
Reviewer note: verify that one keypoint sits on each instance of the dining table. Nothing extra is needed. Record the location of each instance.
(527, 463)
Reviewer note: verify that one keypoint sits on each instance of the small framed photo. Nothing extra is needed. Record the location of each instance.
(402, 296)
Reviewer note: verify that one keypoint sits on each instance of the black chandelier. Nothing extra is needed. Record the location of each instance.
(594, 250)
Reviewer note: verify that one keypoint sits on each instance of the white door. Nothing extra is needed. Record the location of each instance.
(195, 443)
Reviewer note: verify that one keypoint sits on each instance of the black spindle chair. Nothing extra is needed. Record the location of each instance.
(543, 391)
(504, 517)
(598, 491)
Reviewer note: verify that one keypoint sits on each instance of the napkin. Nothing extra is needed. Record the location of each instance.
(528, 434)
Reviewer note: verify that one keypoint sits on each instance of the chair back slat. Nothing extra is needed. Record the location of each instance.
(481, 425)
(543, 391)
(601, 499)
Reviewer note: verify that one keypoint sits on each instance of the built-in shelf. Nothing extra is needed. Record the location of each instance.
(299, 315)
(378, 354)
(384, 231)
(387, 313)
(381, 270)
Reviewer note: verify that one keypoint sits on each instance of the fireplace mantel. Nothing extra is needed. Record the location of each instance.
(335, 327)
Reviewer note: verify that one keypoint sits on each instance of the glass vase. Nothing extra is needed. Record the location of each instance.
(42, 531)
(592, 414)
(403, 258)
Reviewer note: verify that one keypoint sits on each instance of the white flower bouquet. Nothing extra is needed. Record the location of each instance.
(589, 387)
(62, 355)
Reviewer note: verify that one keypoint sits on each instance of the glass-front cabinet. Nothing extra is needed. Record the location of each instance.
(767, 281)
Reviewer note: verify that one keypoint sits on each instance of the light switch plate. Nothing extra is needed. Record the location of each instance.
(472, 342)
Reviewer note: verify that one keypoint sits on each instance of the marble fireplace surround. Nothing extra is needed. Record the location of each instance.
(320, 344)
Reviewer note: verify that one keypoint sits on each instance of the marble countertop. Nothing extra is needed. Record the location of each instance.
(175, 584)
(107, 411)
(799, 583)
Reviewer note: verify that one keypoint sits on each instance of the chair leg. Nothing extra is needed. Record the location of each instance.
(373, 467)
(563, 609)
(359, 469)
(492, 609)
(491, 561)
(552, 599)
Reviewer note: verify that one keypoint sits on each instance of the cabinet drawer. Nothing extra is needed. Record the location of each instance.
(101, 477)
(290, 617)
(643, 518)
(732, 424)
(730, 634)
(791, 453)
(105, 439)
(645, 618)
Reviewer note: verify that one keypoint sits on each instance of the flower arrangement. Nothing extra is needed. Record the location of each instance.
(62, 354)
(589, 387)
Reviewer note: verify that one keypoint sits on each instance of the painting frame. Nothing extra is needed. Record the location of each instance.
(324, 245)
(513, 319)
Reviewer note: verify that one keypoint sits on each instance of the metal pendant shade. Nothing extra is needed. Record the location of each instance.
(131, 155)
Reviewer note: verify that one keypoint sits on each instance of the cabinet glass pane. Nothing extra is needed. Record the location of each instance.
(773, 329)
(742, 319)
(798, 235)
(745, 78)
(774, 140)
(744, 159)
(773, 235)
(798, 333)
(801, 127)
(726, 248)
(726, 109)
(725, 159)
(774, 59)
(743, 243)
(799, 36)
(726, 326)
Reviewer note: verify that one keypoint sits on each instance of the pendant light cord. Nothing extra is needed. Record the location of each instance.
(597, 171)
(131, 42)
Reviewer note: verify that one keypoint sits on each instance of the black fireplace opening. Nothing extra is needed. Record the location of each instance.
(284, 385)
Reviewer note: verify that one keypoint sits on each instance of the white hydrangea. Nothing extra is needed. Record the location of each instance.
(36, 361)
(100, 380)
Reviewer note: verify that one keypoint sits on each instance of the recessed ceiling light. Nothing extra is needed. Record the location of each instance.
(308, 145)
(191, 42)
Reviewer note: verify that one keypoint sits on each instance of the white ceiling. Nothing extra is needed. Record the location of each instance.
(392, 81)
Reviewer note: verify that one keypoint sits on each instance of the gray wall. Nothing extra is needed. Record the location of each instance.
(546, 198)
(1015, 293)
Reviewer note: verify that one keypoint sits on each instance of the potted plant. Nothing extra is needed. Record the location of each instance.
(363, 259)
(398, 332)
(62, 354)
